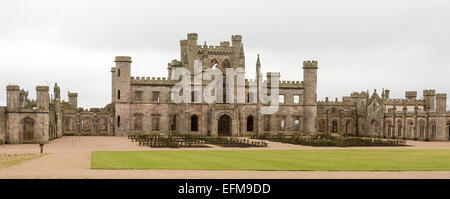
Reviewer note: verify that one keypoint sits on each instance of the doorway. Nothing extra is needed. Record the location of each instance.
(224, 125)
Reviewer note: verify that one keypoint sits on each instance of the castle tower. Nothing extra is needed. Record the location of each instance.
(441, 103)
(12, 97)
(122, 94)
(430, 99)
(236, 47)
(73, 99)
(411, 95)
(42, 98)
(310, 96)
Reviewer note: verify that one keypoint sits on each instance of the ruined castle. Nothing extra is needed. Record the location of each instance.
(144, 104)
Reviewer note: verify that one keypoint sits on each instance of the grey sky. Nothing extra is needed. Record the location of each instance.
(400, 45)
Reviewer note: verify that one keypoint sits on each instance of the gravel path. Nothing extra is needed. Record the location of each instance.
(69, 157)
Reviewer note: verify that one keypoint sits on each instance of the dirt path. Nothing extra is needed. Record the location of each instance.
(70, 157)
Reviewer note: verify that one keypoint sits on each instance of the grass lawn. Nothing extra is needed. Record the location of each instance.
(7, 160)
(281, 160)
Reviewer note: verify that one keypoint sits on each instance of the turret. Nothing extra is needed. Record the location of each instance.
(411, 95)
(236, 46)
(386, 93)
(441, 103)
(57, 92)
(42, 98)
(73, 99)
(430, 99)
(12, 97)
(310, 96)
(23, 98)
(123, 79)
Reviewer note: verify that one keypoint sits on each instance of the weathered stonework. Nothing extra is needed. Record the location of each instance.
(143, 104)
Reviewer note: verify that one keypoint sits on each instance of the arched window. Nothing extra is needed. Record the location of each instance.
(374, 127)
(448, 130)
(433, 130)
(422, 129)
(214, 64)
(322, 126)
(399, 128)
(334, 126)
(410, 129)
(297, 124)
(194, 123)
(389, 128)
(250, 123)
(348, 127)
(226, 64)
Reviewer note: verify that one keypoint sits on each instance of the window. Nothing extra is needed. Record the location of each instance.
(173, 123)
(266, 123)
(422, 129)
(118, 121)
(399, 128)
(194, 123)
(296, 123)
(433, 130)
(138, 95)
(281, 123)
(334, 126)
(195, 97)
(155, 122)
(250, 98)
(118, 72)
(155, 96)
(226, 64)
(296, 99)
(281, 99)
(250, 123)
(118, 94)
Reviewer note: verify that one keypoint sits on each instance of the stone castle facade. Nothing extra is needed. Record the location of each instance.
(144, 104)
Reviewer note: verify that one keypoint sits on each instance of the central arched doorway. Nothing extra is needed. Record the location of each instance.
(224, 125)
(28, 130)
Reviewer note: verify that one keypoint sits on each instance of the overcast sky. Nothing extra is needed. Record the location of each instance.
(396, 44)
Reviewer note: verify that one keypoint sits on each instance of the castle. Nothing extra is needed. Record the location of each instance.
(144, 104)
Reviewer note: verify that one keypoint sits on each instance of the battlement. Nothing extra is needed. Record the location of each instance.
(273, 74)
(175, 63)
(335, 103)
(225, 44)
(215, 50)
(362, 94)
(12, 88)
(42, 88)
(122, 59)
(404, 102)
(310, 64)
(236, 38)
(192, 36)
(429, 92)
(23, 92)
(152, 80)
(441, 96)
(411, 94)
(72, 94)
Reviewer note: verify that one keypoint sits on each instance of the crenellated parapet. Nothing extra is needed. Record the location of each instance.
(152, 81)
(404, 102)
(362, 94)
